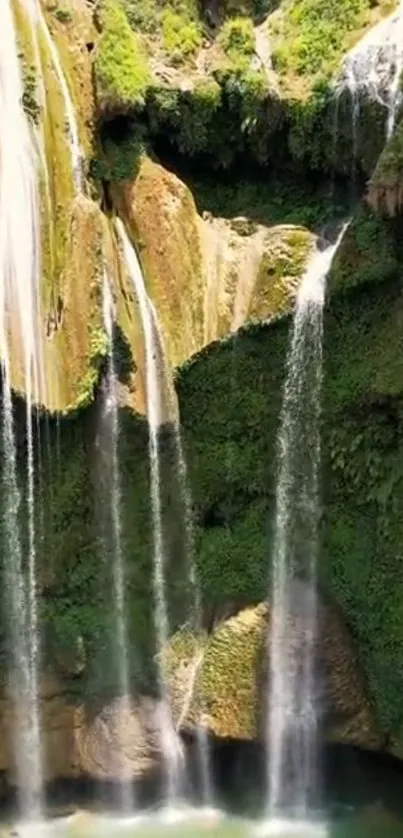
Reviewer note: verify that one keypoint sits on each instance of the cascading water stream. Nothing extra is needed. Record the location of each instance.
(292, 718)
(110, 422)
(19, 316)
(74, 138)
(374, 68)
(172, 754)
(196, 605)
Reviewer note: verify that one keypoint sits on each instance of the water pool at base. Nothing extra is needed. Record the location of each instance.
(371, 822)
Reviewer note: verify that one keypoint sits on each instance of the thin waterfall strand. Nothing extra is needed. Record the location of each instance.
(172, 754)
(74, 138)
(292, 722)
(374, 68)
(111, 421)
(203, 754)
(19, 211)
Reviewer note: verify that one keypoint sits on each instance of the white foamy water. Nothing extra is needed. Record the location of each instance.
(74, 137)
(110, 440)
(19, 326)
(171, 745)
(173, 820)
(374, 67)
(292, 718)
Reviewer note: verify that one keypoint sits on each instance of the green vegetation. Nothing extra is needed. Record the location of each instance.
(30, 93)
(272, 201)
(234, 116)
(233, 482)
(63, 15)
(310, 36)
(142, 15)
(148, 15)
(237, 38)
(385, 187)
(181, 36)
(121, 70)
(370, 252)
(119, 161)
(231, 110)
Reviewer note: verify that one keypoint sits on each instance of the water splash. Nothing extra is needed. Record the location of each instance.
(110, 439)
(292, 718)
(171, 749)
(374, 67)
(19, 327)
(74, 138)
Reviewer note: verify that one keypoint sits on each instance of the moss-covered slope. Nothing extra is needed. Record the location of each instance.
(231, 448)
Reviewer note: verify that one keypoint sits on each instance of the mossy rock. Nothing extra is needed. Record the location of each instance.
(229, 673)
(226, 695)
(369, 252)
(285, 257)
(385, 189)
(77, 347)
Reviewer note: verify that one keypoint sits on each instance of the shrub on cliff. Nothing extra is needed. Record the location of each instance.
(182, 36)
(121, 70)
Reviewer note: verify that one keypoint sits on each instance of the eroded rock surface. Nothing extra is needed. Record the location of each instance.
(211, 274)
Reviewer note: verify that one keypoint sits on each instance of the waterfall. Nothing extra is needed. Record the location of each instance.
(110, 426)
(172, 754)
(203, 755)
(374, 68)
(19, 316)
(291, 720)
(74, 139)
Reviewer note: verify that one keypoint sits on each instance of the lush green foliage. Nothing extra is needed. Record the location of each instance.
(237, 39)
(234, 116)
(370, 252)
(275, 200)
(120, 160)
(311, 35)
(363, 443)
(231, 452)
(148, 15)
(142, 15)
(181, 36)
(386, 181)
(121, 70)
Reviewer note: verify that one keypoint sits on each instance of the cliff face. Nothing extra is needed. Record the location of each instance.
(224, 159)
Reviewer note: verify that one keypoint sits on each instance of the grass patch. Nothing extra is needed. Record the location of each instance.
(181, 36)
(237, 39)
(310, 36)
(121, 70)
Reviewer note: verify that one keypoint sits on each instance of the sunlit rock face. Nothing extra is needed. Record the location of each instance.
(214, 274)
